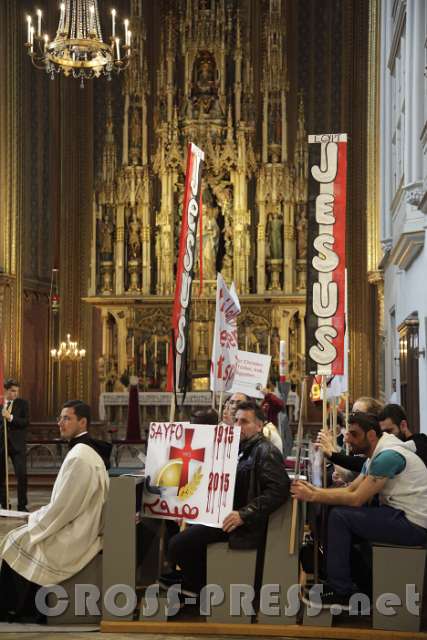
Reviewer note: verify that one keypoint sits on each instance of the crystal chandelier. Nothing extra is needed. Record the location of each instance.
(78, 48)
(68, 351)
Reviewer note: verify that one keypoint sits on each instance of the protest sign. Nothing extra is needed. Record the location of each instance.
(251, 374)
(190, 472)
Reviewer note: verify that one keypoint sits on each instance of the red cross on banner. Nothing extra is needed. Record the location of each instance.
(186, 454)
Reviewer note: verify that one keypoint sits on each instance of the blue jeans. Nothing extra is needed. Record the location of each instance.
(376, 524)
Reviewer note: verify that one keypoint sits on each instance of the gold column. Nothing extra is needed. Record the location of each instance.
(354, 112)
(11, 184)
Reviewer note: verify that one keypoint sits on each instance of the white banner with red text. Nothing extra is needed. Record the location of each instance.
(225, 343)
(325, 317)
(190, 472)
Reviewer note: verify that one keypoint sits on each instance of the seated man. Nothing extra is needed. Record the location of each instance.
(262, 486)
(399, 478)
(393, 420)
(62, 537)
(353, 463)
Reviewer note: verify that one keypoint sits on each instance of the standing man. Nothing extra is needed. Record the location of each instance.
(15, 413)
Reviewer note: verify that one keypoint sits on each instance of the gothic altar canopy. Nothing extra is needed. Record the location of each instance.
(216, 74)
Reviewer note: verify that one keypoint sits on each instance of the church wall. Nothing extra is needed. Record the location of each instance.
(404, 198)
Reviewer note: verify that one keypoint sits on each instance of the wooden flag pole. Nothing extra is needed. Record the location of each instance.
(172, 409)
(221, 401)
(300, 431)
(334, 421)
(347, 413)
(324, 425)
(6, 457)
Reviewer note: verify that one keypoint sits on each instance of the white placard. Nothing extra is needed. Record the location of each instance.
(251, 374)
(190, 472)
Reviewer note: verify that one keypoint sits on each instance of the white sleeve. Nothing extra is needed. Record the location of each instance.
(71, 497)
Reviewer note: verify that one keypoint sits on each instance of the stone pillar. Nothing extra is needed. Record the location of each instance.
(289, 249)
(265, 128)
(261, 249)
(121, 318)
(284, 127)
(119, 250)
(125, 130)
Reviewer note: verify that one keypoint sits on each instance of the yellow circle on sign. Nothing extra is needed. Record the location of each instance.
(170, 474)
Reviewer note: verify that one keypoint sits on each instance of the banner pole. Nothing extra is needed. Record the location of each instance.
(221, 400)
(172, 409)
(347, 413)
(300, 431)
(334, 421)
(324, 425)
(6, 456)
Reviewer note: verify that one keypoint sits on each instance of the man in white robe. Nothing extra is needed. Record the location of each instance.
(62, 537)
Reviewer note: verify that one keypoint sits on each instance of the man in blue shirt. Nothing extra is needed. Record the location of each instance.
(393, 472)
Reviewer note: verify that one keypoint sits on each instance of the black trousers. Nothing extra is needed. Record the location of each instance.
(19, 461)
(17, 601)
(188, 550)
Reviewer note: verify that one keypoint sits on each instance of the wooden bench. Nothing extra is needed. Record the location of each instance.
(393, 568)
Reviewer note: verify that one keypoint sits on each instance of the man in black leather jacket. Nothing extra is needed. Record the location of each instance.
(262, 486)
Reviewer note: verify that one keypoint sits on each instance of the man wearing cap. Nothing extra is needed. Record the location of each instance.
(393, 472)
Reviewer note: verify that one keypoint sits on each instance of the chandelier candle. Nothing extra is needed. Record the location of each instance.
(29, 28)
(39, 22)
(113, 23)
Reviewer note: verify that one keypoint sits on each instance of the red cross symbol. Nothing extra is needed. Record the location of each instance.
(186, 454)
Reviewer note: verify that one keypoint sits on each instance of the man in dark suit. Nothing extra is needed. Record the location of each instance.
(15, 414)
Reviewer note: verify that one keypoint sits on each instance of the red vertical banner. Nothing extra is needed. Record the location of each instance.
(178, 353)
(325, 318)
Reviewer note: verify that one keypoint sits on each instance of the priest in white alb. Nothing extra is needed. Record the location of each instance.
(62, 537)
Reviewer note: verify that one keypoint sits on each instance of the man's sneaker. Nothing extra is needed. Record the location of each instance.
(327, 599)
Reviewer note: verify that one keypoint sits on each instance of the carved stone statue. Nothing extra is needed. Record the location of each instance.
(274, 236)
(302, 236)
(241, 257)
(106, 229)
(210, 245)
(134, 242)
(135, 135)
(210, 236)
(205, 87)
